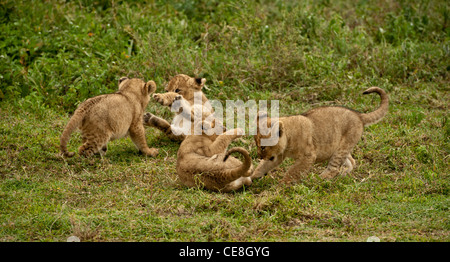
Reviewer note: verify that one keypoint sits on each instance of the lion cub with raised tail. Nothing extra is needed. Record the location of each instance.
(324, 133)
(111, 116)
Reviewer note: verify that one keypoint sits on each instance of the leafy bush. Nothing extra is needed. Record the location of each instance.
(64, 52)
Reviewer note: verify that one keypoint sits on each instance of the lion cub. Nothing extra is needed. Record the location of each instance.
(324, 133)
(185, 86)
(111, 116)
(203, 160)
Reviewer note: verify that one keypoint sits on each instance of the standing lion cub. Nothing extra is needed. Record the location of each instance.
(111, 116)
(324, 133)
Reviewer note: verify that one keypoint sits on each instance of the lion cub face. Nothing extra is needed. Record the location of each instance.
(262, 139)
(185, 86)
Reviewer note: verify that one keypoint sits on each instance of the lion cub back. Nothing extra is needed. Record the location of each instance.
(113, 114)
(330, 126)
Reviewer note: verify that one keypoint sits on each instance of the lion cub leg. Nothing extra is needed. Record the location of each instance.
(342, 156)
(237, 184)
(224, 140)
(301, 166)
(265, 166)
(165, 99)
(161, 124)
(338, 159)
(137, 135)
(153, 121)
(349, 164)
(93, 142)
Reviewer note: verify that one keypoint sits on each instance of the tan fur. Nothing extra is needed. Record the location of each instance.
(111, 116)
(182, 85)
(202, 160)
(324, 133)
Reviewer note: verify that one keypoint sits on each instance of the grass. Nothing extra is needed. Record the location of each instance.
(56, 54)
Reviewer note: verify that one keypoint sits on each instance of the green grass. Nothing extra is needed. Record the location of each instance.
(54, 55)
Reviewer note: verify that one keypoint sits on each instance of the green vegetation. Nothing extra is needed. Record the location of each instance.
(55, 54)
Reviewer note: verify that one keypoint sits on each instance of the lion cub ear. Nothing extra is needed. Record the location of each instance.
(280, 129)
(261, 115)
(200, 82)
(277, 128)
(123, 78)
(150, 87)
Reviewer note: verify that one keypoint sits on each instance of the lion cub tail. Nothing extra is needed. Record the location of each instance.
(377, 115)
(241, 170)
(75, 122)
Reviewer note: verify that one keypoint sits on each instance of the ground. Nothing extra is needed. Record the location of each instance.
(55, 55)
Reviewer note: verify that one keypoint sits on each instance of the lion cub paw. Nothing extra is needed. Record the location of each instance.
(176, 106)
(161, 99)
(149, 119)
(151, 152)
(329, 174)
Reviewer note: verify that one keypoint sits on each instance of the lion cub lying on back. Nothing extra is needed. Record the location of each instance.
(111, 116)
(203, 159)
(324, 133)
